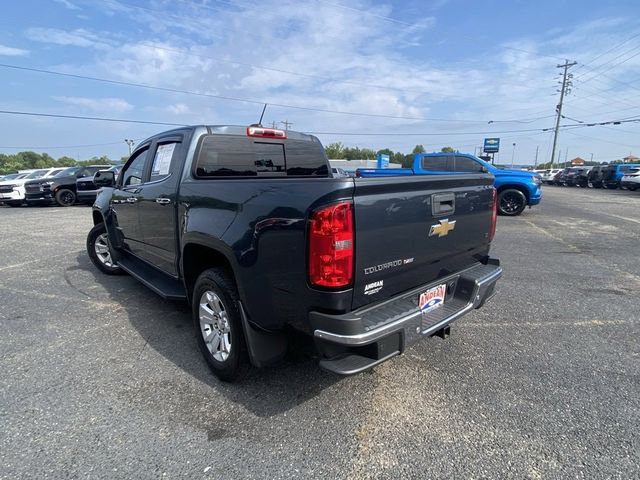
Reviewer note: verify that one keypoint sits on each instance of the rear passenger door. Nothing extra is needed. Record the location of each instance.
(157, 205)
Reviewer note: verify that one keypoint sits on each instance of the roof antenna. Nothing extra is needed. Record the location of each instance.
(259, 124)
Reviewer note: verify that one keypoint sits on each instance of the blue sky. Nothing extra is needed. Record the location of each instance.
(452, 72)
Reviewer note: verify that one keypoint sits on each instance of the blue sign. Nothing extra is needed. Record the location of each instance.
(383, 160)
(491, 145)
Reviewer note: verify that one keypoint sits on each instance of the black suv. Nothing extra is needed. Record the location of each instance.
(86, 190)
(60, 189)
(594, 177)
(577, 177)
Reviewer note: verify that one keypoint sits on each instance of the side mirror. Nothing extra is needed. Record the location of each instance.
(104, 178)
(484, 169)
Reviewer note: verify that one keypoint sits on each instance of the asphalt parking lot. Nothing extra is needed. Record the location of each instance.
(100, 378)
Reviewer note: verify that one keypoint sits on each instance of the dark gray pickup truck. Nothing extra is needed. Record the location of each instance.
(249, 226)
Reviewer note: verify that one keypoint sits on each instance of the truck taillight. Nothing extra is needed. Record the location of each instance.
(331, 246)
(494, 215)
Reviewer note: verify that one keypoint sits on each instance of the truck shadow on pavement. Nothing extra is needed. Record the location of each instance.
(167, 328)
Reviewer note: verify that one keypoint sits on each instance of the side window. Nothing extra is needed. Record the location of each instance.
(162, 160)
(466, 164)
(438, 163)
(134, 172)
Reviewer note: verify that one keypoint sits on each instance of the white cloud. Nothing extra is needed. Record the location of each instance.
(13, 52)
(77, 38)
(178, 109)
(116, 105)
(68, 4)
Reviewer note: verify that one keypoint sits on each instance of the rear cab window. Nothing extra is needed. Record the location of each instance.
(221, 156)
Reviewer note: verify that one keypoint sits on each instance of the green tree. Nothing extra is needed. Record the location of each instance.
(448, 150)
(334, 150)
(418, 149)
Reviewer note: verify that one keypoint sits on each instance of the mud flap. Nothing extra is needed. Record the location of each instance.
(264, 348)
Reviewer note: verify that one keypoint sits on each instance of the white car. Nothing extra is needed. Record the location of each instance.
(12, 191)
(631, 179)
(547, 176)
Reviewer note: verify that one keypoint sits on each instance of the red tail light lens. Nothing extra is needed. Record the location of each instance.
(331, 246)
(266, 132)
(494, 215)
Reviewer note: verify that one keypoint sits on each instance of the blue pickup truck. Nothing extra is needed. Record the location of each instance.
(516, 189)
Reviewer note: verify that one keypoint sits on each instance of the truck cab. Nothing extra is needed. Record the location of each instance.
(516, 189)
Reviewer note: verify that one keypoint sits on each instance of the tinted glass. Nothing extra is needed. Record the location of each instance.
(71, 171)
(269, 159)
(135, 170)
(438, 163)
(223, 156)
(37, 174)
(306, 158)
(465, 164)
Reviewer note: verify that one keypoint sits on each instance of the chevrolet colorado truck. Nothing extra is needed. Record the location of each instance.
(249, 226)
(516, 189)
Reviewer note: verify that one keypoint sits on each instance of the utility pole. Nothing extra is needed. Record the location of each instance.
(566, 88)
(286, 124)
(274, 124)
(535, 162)
(513, 154)
(591, 159)
(566, 154)
(130, 143)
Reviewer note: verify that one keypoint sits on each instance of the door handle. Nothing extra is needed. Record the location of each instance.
(132, 199)
(163, 201)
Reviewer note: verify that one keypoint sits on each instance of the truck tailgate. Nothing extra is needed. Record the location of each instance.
(411, 231)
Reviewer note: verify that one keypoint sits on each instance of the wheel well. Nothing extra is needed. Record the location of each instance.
(97, 218)
(515, 187)
(198, 258)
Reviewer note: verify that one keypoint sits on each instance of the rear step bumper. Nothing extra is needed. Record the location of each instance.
(361, 339)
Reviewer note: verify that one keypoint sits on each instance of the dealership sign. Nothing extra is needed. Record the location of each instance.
(491, 145)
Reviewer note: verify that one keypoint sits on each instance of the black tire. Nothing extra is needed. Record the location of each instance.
(632, 188)
(511, 202)
(65, 197)
(99, 234)
(14, 203)
(217, 293)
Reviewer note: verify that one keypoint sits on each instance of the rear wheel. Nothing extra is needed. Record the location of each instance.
(65, 197)
(217, 324)
(511, 202)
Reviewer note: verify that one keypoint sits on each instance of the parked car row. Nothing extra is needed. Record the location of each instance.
(61, 186)
(601, 176)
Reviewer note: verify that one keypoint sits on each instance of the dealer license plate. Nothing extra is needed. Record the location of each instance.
(432, 298)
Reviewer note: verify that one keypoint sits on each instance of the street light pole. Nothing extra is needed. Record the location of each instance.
(130, 143)
(513, 154)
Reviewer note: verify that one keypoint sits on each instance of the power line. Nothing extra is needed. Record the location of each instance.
(99, 119)
(531, 53)
(608, 50)
(371, 14)
(246, 100)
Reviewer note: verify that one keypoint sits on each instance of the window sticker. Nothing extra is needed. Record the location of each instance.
(162, 162)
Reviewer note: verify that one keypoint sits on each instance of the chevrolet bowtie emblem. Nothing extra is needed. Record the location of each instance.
(443, 228)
